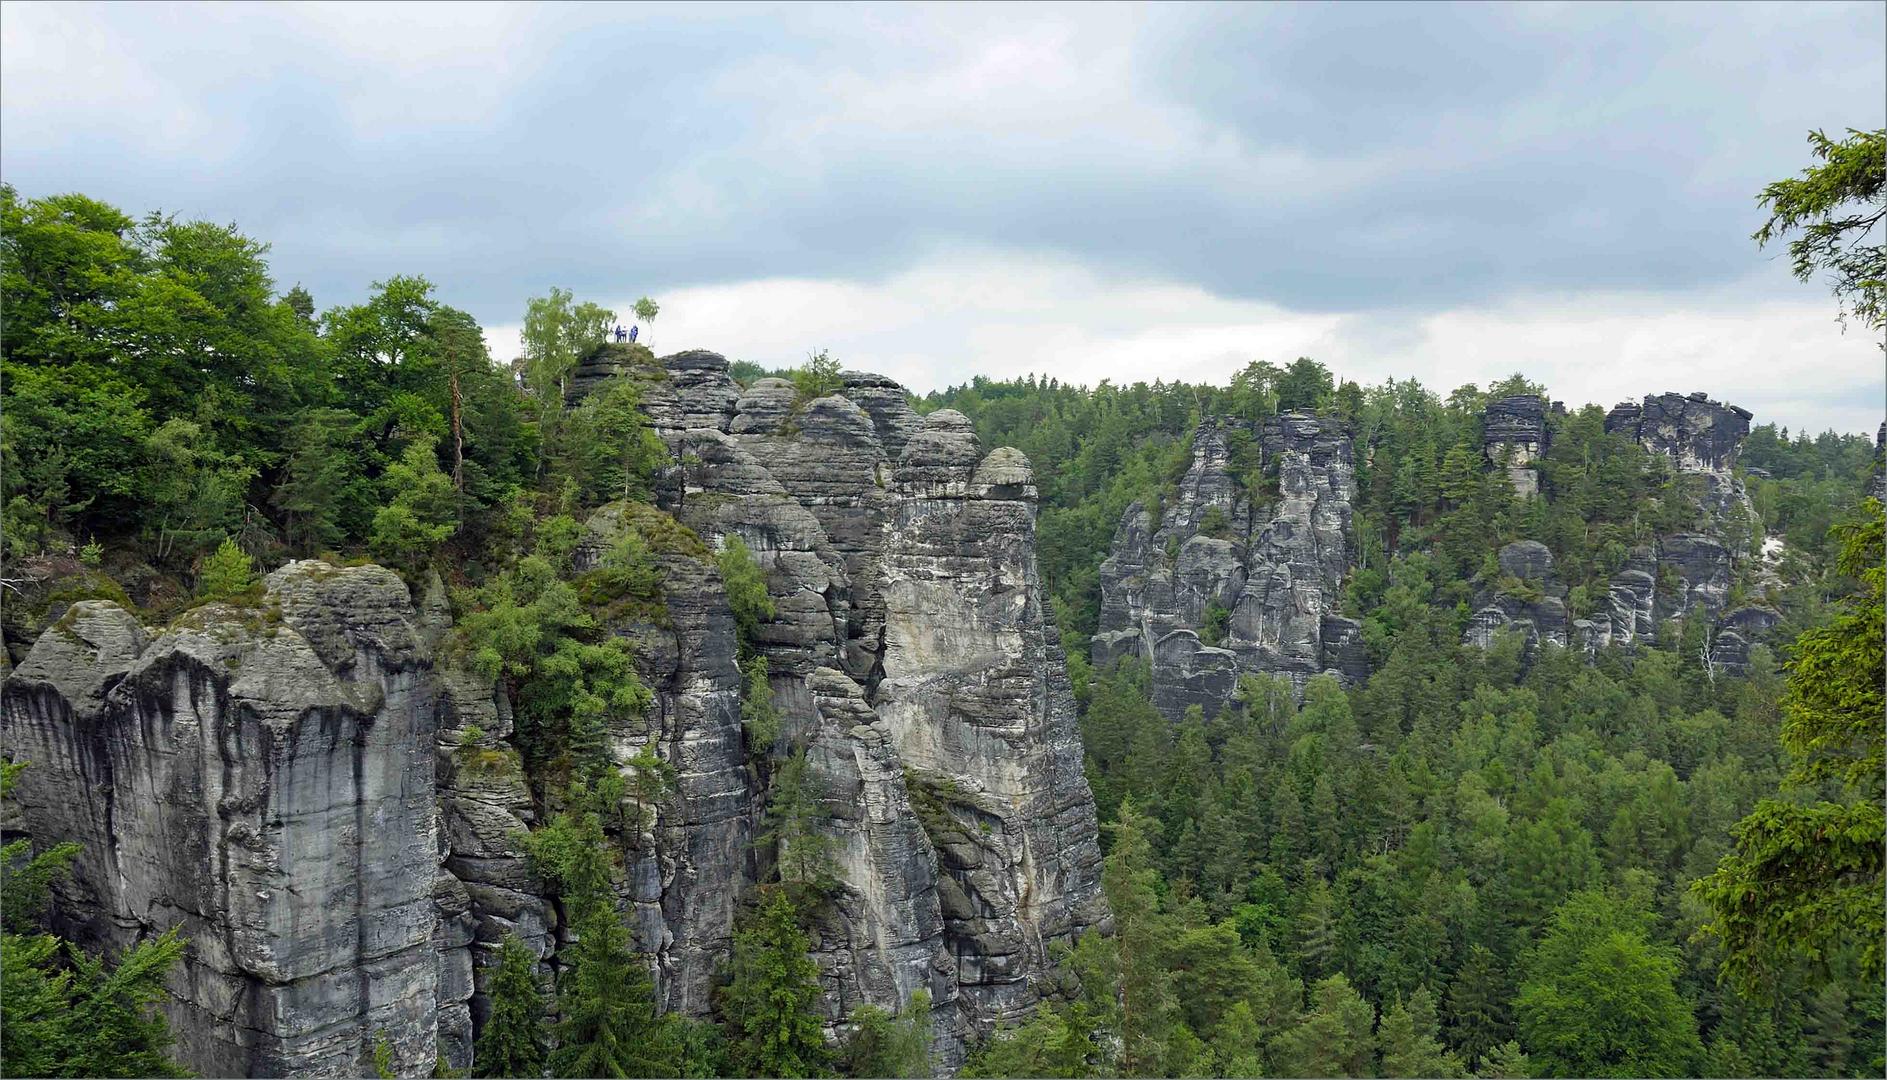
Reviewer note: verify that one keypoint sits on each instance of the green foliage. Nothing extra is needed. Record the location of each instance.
(1409, 1040)
(1058, 1041)
(63, 1012)
(816, 378)
(1217, 622)
(569, 679)
(1804, 880)
(758, 715)
(422, 511)
(609, 451)
(1506, 1062)
(769, 1004)
(1601, 1000)
(885, 1044)
(608, 1025)
(512, 1041)
(646, 310)
(383, 1057)
(746, 587)
(1831, 210)
(1306, 384)
(25, 878)
(557, 333)
(792, 827)
(226, 573)
(1334, 1037)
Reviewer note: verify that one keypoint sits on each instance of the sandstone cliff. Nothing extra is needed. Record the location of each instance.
(332, 807)
(1238, 574)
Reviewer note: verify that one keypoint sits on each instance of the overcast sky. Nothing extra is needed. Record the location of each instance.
(1446, 192)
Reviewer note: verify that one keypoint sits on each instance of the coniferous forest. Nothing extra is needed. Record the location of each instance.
(1507, 860)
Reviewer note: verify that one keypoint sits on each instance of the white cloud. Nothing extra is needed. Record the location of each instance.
(980, 312)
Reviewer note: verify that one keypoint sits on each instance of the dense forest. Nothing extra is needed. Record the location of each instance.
(1497, 862)
(1405, 878)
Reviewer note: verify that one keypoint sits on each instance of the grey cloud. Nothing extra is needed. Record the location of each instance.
(1333, 157)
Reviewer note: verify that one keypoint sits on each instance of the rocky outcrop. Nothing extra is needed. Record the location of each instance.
(264, 779)
(910, 644)
(976, 695)
(1513, 437)
(1729, 650)
(1687, 575)
(331, 802)
(1699, 437)
(1528, 598)
(1225, 580)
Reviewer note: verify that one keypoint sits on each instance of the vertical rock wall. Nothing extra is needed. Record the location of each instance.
(331, 804)
(1513, 436)
(1228, 581)
(264, 779)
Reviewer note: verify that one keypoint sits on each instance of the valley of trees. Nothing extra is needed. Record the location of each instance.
(1476, 863)
(1471, 862)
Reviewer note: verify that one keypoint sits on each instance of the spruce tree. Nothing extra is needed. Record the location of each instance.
(512, 1043)
(1408, 1042)
(1478, 1015)
(608, 1024)
(770, 1002)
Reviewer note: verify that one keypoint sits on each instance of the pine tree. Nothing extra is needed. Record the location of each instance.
(1478, 1016)
(512, 1042)
(1141, 938)
(1315, 930)
(1333, 1039)
(1407, 1039)
(422, 512)
(769, 1003)
(792, 823)
(606, 1000)
(1506, 1062)
(226, 573)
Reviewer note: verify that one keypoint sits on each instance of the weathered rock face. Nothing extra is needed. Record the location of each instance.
(264, 779)
(976, 695)
(883, 937)
(910, 645)
(1513, 435)
(700, 837)
(331, 804)
(1529, 599)
(1225, 582)
(1729, 651)
(1700, 437)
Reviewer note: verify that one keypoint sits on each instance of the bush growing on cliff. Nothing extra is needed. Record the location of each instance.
(886, 1044)
(226, 573)
(816, 378)
(746, 589)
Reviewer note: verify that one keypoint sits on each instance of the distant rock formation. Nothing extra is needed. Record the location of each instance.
(1228, 581)
(1700, 437)
(1513, 436)
(1529, 598)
